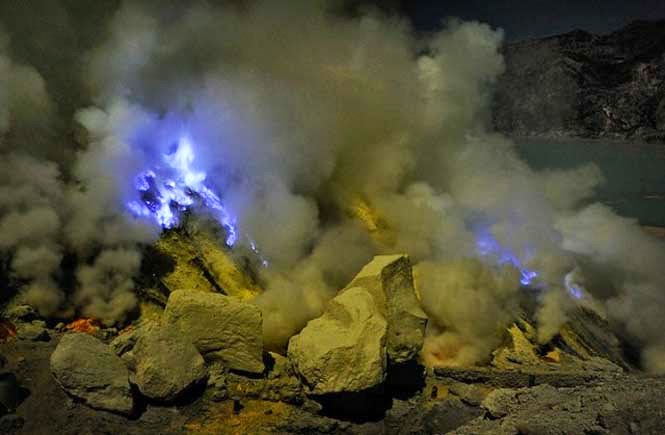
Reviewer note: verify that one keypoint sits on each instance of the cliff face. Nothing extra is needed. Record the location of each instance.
(584, 85)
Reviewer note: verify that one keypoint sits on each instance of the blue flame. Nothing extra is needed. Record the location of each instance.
(488, 245)
(171, 187)
(573, 289)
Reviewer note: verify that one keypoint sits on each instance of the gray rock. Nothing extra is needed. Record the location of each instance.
(221, 327)
(469, 393)
(123, 344)
(166, 364)
(33, 331)
(11, 393)
(11, 423)
(278, 384)
(589, 336)
(88, 369)
(20, 311)
(343, 350)
(389, 279)
(585, 85)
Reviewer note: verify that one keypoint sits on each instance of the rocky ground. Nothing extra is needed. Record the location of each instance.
(459, 401)
(583, 85)
(199, 365)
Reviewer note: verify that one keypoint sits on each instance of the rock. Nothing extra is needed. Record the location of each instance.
(344, 349)
(33, 331)
(123, 344)
(500, 401)
(469, 393)
(225, 272)
(22, 312)
(584, 85)
(278, 384)
(389, 279)
(221, 327)
(519, 352)
(11, 393)
(11, 423)
(587, 335)
(447, 416)
(166, 364)
(88, 369)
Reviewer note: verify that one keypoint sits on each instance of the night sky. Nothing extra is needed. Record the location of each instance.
(522, 19)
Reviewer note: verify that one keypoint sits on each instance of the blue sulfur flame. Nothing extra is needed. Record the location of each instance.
(573, 289)
(487, 245)
(170, 188)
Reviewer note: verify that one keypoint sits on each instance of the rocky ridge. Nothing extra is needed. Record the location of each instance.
(583, 85)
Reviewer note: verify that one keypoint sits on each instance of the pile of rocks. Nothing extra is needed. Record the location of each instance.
(209, 339)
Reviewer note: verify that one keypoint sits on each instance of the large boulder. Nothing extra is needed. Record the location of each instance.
(88, 369)
(344, 349)
(390, 281)
(221, 327)
(166, 364)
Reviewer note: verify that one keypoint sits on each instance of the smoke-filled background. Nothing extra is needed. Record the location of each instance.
(316, 138)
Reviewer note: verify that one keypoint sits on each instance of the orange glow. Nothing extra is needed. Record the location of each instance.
(86, 325)
(441, 353)
(7, 330)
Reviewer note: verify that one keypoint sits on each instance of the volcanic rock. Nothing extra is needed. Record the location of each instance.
(221, 327)
(11, 393)
(123, 344)
(10, 423)
(176, 263)
(18, 311)
(196, 262)
(278, 384)
(344, 349)
(520, 351)
(585, 85)
(166, 364)
(220, 266)
(390, 281)
(587, 335)
(33, 331)
(88, 369)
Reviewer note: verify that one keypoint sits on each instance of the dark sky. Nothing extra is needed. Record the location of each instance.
(532, 18)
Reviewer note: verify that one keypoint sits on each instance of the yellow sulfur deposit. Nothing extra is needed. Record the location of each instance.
(186, 273)
(201, 264)
(224, 270)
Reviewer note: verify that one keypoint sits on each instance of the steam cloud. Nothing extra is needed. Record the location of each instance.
(303, 119)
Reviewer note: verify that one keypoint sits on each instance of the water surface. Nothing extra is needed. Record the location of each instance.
(634, 173)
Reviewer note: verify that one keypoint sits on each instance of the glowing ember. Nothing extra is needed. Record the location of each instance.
(7, 330)
(86, 325)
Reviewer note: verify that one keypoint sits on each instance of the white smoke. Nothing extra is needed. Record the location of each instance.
(30, 188)
(41, 217)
